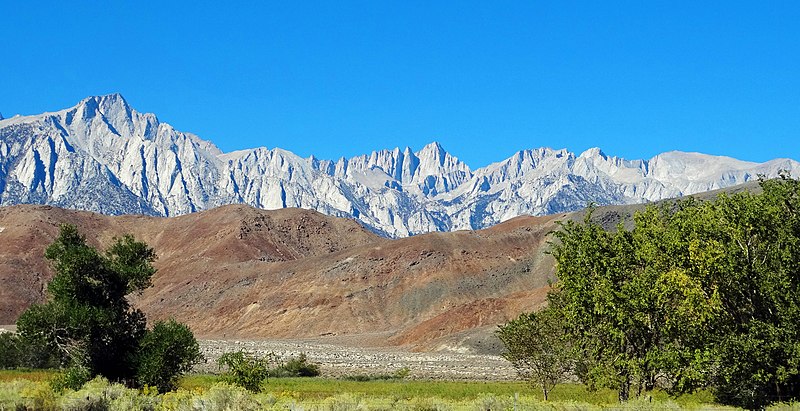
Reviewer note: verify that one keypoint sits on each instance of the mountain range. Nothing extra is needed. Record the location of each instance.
(102, 155)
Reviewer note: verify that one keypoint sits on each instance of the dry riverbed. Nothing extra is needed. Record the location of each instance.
(341, 360)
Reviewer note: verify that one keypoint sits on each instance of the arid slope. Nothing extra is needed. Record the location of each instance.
(238, 272)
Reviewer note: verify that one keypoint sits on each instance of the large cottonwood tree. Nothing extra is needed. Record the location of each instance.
(698, 293)
(88, 321)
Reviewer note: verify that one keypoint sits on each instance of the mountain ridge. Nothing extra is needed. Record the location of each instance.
(102, 155)
(240, 272)
(237, 272)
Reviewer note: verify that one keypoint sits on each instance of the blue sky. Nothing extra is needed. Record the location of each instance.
(485, 79)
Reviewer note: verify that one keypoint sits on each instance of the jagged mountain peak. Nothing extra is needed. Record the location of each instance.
(593, 152)
(102, 155)
(113, 109)
(110, 105)
(435, 154)
(109, 117)
(536, 154)
(105, 100)
(107, 105)
(434, 148)
(527, 159)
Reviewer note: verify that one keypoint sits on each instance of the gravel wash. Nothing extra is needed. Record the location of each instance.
(339, 360)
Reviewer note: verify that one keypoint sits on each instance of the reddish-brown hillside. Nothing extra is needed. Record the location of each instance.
(197, 241)
(238, 272)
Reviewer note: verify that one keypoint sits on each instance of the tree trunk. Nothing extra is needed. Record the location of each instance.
(625, 391)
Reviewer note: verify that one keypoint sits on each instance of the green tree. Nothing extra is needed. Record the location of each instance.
(166, 352)
(88, 323)
(537, 347)
(673, 302)
(696, 294)
(15, 352)
(246, 370)
(10, 351)
(757, 345)
(600, 301)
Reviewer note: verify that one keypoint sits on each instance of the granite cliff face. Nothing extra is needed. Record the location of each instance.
(104, 156)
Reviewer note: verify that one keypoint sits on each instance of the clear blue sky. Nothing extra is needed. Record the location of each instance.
(485, 79)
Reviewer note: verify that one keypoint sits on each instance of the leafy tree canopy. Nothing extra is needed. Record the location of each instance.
(537, 346)
(697, 294)
(88, 323)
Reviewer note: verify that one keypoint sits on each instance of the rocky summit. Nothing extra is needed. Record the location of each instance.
(102, 155)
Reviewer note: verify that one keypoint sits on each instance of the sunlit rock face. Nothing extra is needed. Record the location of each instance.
(104, 156)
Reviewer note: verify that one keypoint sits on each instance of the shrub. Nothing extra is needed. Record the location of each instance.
(226, 397)
(16, 352)
(295, 367)
(166, 352)
(99, 394)
(245, 370)
(397, 375)
(177, 401)
(71, 378)
(343, 402)
(9, 351)
(27, 395)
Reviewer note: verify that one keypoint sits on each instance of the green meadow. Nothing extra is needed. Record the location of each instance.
(30, 390)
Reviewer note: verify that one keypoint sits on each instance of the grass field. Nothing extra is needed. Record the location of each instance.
(320, 388)
(29, 390)
(31, 375)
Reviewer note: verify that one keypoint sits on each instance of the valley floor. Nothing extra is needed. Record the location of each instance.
(339, 359)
